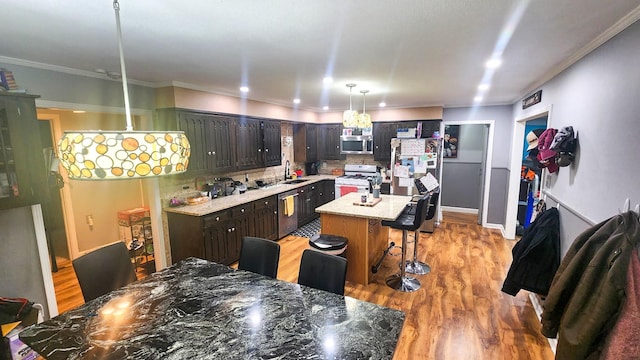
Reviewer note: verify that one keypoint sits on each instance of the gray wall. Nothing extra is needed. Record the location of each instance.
(503, 117)
(598, 96)
(461, 176)
(75, 89)
(20, 271)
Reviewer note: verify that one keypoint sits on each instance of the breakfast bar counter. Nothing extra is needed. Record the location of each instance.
(361, 225)
(198, 309)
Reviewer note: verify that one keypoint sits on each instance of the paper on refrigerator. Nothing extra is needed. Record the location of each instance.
(401, 171)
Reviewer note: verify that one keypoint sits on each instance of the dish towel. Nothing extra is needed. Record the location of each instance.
(289, 205)
(344, 190)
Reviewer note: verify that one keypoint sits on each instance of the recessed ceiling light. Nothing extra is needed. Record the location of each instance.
(493, 63)
(483, 87)
(327, 80)
(79, 111)
(244, 89)
(325, 108)
(296, 101)
(477, 98)
(382, 104)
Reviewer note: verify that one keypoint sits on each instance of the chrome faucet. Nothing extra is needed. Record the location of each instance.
(287, 170)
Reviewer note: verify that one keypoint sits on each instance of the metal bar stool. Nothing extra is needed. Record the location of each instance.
(415, 266)
(407, 222)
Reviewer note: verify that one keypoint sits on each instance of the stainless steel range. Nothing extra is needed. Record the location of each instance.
(355, 179)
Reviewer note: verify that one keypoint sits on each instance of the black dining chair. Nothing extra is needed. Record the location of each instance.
(323, 271)
(104, 270)
(407, 221)
(259, 255)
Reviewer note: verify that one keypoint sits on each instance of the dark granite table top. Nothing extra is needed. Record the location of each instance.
(197, 309)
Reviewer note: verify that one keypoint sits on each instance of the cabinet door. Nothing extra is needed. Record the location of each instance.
(314, 192)
(215, 244)
(195, 127)
(382, 135)
(327, 192)
(266, 218)
(186, 237)
(249, 149)
(312, 146)
(329, 141)
(272, 147)
(22, 170)
(222, 135)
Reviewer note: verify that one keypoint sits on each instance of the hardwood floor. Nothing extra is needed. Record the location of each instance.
(459, 311)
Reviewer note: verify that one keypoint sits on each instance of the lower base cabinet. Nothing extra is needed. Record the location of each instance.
(217, 236)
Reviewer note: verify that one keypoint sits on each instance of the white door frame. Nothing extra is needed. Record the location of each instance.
(488, 157)
(517, 146)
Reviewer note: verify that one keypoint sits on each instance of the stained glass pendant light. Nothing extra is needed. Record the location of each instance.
(128, 154)
(350, 117)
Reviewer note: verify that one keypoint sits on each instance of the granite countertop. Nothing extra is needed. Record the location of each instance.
(387, 209)
(197, 309)
(227, 202)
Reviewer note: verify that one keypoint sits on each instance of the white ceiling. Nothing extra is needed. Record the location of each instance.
(408, 53)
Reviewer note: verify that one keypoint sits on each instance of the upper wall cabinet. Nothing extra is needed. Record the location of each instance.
(224, 143)
(329, 142)
(249, 145)
(383, 132)
(23, 176)
(305, 146)
(272, 144)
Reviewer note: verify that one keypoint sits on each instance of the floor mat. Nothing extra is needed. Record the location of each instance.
(308, 230)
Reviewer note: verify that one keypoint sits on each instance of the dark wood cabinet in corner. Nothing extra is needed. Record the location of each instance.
(23, 176)
(305, 146)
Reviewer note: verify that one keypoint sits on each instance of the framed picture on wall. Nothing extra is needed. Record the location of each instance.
(450, 142)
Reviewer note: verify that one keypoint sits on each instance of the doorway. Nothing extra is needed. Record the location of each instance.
(531, 174)
(52, 211)
(515, 168)
(469, 174)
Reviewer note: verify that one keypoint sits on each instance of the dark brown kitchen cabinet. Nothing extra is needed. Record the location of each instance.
(22, 171)
(308, 200)
(329, 142)
(272, 145)
(217, 236)
(383, 132)
(266, 218)
(249, 146)
(327, 192)
(382, 135)
(212, 138)
(222, 136)
(305, 146)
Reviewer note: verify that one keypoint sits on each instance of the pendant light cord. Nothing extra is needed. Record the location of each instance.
(125, 89)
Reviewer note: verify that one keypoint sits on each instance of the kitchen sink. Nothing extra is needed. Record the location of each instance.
(297, 181)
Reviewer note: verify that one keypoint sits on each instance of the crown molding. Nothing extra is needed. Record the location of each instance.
(67, 70)
(612, 31)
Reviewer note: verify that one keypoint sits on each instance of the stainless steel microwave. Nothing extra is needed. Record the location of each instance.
(356, 144)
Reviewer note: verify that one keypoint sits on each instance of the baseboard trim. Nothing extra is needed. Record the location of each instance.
(537, 306)
(459, 209)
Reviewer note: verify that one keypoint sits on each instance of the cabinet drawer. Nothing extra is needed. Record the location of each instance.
(216, 219)
(268, 202)
(242, 210)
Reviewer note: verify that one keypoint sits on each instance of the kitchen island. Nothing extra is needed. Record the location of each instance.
(198, 309)
(362, 226)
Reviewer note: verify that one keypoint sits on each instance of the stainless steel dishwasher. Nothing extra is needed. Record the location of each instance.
(287, 224)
